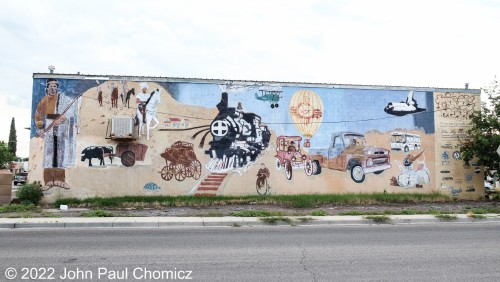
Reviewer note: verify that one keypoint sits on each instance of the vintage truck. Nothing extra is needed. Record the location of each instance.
(349, 151)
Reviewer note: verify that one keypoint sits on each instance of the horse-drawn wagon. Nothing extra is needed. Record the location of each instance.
(181, 162)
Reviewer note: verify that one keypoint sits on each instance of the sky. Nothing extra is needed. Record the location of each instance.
(422, 43)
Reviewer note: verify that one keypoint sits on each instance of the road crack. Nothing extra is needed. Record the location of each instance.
(304, 266)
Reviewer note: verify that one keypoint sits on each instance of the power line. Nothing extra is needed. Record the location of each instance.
(284, 123)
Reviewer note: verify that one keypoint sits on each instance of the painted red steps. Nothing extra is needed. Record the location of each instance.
(210, 185)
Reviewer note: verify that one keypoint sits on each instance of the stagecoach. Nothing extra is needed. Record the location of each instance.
(181, 162)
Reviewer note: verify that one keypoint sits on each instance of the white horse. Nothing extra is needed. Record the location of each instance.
(150, 114)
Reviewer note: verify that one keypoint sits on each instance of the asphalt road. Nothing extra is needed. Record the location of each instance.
(437, 252)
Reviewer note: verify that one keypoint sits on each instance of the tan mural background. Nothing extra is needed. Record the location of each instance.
(235, 144)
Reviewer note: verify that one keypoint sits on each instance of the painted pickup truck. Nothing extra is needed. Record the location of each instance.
(348, 151)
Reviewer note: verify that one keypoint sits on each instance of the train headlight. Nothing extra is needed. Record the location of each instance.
(219, 128)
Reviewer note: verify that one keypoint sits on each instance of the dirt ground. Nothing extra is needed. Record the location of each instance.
(226, 210)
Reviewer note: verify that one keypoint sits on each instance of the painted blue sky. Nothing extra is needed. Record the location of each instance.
(356, 110)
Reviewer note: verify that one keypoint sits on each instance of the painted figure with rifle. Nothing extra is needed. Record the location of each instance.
(55, 119)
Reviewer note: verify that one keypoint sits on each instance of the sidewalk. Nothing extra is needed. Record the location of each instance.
(162, 222)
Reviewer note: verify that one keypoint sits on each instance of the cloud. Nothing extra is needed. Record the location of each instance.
(386, 42)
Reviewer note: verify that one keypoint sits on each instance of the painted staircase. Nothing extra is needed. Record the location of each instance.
(211, 184)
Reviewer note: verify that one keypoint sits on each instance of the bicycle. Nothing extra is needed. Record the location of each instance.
(262, 185)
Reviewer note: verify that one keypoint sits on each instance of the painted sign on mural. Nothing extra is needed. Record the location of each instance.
(452, 111)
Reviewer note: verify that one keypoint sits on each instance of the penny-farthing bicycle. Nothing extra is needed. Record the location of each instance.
(262, 185)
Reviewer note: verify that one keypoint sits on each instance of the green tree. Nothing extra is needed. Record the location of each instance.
(484, 134)
(5, 156)
(13, 138)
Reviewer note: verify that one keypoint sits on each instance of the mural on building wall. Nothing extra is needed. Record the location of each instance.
(218, 138)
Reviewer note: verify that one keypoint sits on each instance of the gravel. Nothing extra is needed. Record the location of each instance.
(226, 210)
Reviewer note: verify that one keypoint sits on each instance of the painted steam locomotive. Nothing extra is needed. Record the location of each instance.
(238, 137)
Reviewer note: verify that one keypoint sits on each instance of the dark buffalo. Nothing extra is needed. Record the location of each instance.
(97, 152)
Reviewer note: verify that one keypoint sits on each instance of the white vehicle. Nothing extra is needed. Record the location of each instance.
(402, 141)
(402, 108)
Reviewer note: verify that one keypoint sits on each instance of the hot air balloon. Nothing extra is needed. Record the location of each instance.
(306, 110)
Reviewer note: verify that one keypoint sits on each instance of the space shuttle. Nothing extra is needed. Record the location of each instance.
(403, 108)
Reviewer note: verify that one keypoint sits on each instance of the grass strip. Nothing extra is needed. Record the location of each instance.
(18, 208)
(484, 210)
(97, 213)
(295, 201)
(319, 213)
(256, 213)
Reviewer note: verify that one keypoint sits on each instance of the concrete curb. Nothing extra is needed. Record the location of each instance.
(164, 222)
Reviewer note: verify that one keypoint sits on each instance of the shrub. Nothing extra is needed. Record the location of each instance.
(378, 218)
(275, 219)
(477, 216)
(446, 217)
(30, 193)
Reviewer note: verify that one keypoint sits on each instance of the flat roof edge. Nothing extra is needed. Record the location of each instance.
(249, 82)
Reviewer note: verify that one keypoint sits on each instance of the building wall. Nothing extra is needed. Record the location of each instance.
(211, 143)
(5, 186)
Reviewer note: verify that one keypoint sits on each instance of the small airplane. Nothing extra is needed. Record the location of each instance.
(404, 108)
(272, 95)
